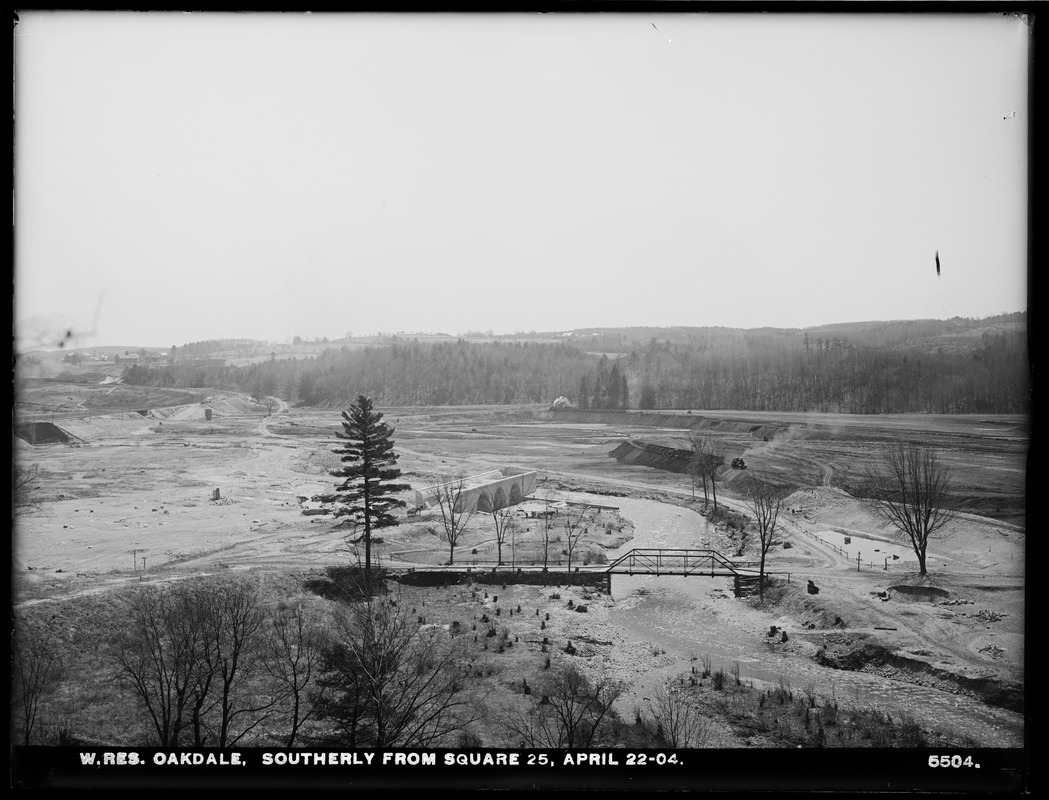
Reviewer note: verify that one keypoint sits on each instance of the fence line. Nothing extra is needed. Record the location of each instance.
(843, 552)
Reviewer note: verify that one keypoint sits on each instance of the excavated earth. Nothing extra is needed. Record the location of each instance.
(221, 483)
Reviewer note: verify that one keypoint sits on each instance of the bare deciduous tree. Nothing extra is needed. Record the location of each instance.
(575, 528)
(388, 681)
(570, 712)
(37, 671)
(24, 492)
(456, 511)
(765, 499)
(697, 472)
(292, 658)
(678, 723)
(912, 492)
(546, 528)
(714, 463)
(513, 546)
(188, 653)
(157, 656)
(503, 517)
(706, 463)
(233, 616)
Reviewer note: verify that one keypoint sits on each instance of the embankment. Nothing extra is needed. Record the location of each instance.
(860, 653)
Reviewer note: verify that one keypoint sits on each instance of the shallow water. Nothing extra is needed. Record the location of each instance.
(669, 617)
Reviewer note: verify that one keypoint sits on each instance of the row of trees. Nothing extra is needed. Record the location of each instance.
(209, 664)
(910, 490)
(456, 512)
(400, 373)
(771, 373)
(762, 370)
(210, 347)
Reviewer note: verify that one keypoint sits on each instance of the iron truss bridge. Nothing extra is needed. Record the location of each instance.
(707, 563)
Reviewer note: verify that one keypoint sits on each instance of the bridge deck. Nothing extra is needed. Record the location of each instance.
(659, 561)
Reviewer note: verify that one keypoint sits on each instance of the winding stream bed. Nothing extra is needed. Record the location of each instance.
(668, 619)
(676, 615)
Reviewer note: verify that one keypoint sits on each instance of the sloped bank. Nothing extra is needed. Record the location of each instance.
(688, 421)
(657, 456)
(838, 647)
(860, 653)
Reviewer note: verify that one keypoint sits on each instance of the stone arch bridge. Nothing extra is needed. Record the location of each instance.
(497, 488)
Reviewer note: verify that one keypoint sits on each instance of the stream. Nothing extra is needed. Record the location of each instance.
(669, 620)
(674, 614)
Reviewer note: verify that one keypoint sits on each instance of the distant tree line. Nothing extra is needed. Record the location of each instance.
(766, 372)
(405, 372)
(210, 347)
(953, 366)
(605, 388)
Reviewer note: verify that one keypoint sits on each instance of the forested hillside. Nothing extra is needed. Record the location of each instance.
(925, 366)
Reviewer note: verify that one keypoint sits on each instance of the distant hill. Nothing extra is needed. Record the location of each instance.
(907, 366)
(900, 366)
(929, 335)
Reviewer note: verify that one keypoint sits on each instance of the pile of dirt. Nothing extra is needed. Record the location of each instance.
(89, 429)
(217, 406)
(38, 433)
(231, 405)
(645, 454)
(824, 499)
(928, 593)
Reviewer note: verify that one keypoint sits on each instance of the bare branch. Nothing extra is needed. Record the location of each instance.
(765, 499)
(456, 511)
(389, 681)
(912, 492)
(25, 496)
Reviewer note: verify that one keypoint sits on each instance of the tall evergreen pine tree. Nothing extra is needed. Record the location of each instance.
(367, 477)
(615, 391)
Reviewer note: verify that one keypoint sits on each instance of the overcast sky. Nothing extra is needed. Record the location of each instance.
(182, 177)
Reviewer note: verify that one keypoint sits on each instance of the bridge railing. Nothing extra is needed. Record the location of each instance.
(686, 562)
(676, 561)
